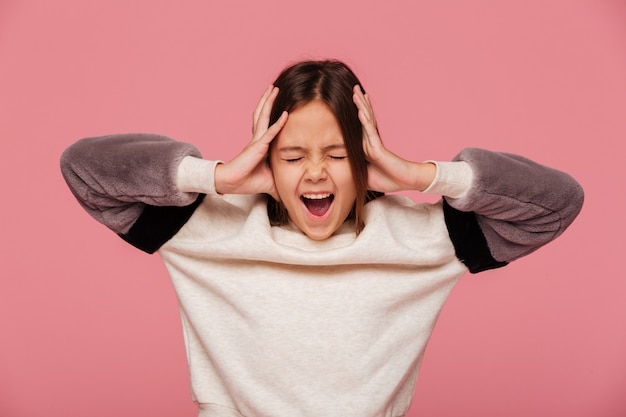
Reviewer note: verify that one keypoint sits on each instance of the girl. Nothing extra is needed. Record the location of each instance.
(303, 290)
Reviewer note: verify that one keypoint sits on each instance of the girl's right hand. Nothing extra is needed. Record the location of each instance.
(248, 172)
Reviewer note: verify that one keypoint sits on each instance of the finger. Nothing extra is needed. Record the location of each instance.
(259, 106)
(266, 110)
(368, 100)
(364, 113)
(370, 109)
(362, 104)
(360, 95)
(370, 133)
(357, 95)
(274, 129)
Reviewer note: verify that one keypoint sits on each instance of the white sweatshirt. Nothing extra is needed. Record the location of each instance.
(276, 324)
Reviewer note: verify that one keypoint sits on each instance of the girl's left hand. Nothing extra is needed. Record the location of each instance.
(387, 172)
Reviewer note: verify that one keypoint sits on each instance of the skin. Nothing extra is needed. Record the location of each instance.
(309, 161)
(315, 135)
(388, 172)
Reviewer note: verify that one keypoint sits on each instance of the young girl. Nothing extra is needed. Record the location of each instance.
(303, 290)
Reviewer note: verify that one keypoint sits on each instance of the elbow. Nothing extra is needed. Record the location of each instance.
(573, 200)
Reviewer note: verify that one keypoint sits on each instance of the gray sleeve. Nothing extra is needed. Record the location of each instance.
(117, 178)
(516, 205)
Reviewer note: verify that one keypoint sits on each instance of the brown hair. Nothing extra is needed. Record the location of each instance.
(329, 81)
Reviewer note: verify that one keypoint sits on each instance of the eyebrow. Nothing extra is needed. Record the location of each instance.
(303, 149)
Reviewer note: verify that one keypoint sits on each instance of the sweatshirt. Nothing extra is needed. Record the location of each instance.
(277, 324)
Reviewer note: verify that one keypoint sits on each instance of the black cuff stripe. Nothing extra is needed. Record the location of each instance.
(470, 244)
(158, 224)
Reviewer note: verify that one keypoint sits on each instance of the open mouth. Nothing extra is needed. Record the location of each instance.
(318, 204)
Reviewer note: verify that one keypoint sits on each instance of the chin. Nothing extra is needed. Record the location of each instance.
(318, 235)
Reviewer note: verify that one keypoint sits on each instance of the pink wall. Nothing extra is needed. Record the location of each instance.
(89, 326)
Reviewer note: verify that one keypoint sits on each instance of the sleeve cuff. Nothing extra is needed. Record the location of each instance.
(452, 179)
(196, 175)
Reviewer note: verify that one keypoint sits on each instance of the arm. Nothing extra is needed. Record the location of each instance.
(128, 183)
(145, 187)
(498, 207)
(513, 207)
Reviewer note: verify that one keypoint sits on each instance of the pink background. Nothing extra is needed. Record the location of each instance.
(90, 327)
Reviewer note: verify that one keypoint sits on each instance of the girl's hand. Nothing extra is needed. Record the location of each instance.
(248, 172)
(387, 172)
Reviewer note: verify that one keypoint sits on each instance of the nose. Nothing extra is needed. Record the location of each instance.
(315, 171)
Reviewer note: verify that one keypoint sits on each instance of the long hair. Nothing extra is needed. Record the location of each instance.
(332, 82)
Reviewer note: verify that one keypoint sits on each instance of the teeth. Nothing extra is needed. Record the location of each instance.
(316, 196)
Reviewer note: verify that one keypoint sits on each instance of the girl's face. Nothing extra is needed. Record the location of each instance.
(312, 172)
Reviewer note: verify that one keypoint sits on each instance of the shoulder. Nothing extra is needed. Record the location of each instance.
(402, 206)
(406, 219)
(219, 217)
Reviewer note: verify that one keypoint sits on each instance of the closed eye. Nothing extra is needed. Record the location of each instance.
(301, 158)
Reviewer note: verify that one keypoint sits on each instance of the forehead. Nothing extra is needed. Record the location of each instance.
(310, 125)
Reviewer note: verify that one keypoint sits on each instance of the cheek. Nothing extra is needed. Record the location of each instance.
(285, 180)
(344, 177)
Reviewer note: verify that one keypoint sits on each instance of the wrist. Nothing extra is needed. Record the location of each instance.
(221, 185)
(425, 173)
